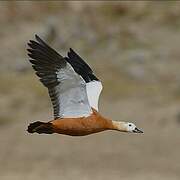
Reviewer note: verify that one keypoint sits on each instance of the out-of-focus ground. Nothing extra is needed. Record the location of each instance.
(134, 48)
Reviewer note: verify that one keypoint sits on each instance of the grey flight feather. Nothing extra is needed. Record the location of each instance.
(67, 89)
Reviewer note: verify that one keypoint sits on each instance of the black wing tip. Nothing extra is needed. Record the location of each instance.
(71, 50)
(29, 43)
(29, 50)
(36, 37)
(37, 40)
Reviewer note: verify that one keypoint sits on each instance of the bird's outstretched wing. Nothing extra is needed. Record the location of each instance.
(93, 84)
(66, 88)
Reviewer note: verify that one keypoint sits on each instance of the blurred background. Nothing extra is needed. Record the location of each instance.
(134, 48)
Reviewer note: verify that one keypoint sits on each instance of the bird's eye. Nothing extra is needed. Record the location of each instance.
(130, 124)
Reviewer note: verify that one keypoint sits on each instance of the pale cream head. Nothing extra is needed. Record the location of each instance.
(126, 127)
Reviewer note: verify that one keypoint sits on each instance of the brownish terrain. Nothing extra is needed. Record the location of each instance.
(134, 48)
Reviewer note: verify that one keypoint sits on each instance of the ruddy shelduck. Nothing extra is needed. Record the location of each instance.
(74, 91)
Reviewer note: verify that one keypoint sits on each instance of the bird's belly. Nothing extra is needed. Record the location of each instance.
(78, 126)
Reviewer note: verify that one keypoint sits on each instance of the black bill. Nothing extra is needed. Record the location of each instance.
(136, 130)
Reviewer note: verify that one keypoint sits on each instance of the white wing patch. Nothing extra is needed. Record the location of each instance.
(93, 89)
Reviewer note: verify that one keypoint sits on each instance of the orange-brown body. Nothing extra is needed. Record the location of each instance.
(82, 126)
(77, 126)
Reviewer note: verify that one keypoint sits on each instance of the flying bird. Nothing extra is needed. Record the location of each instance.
(74, 91)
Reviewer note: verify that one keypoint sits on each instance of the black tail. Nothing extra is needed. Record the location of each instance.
(40, 127)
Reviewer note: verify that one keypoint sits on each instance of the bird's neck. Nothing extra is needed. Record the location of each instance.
(110, 124)
(119, 126)
(115, 125)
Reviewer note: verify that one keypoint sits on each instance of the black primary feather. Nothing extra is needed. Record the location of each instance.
(80, 66)
(46, 62)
